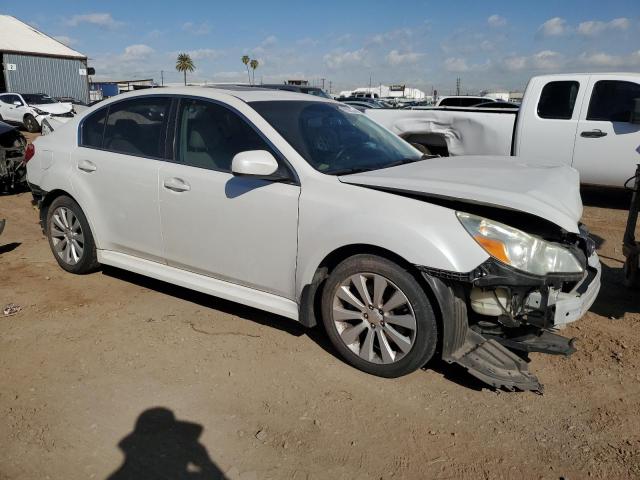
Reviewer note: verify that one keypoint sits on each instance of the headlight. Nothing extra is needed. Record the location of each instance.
(518, 249)
(39, 112)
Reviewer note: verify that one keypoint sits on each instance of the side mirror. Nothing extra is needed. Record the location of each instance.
(255, 163)
(635, 111)
(17, 103)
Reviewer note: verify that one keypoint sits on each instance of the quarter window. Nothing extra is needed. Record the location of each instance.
(613, 100)
(210, 135)
(558, 99)
(93, 129)
(137, 126)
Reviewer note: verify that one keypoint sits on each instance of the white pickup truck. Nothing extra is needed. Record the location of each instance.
(588, 121)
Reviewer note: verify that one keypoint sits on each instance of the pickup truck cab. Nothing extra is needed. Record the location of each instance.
(588, 121)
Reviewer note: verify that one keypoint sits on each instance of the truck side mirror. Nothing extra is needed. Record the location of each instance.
(635, 111)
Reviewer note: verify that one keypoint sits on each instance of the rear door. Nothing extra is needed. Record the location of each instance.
(237, 229)
(548, 119)
(115, 174)
(607, 146)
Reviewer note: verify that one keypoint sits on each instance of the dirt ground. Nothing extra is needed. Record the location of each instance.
(99, 368)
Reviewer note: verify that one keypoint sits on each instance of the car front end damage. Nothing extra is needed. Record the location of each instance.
(496, 314)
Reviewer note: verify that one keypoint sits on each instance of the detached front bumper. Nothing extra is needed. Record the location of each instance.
(495, 314)
(570, 306)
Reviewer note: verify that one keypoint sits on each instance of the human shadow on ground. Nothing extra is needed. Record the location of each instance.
(162, 448)
(9, 247)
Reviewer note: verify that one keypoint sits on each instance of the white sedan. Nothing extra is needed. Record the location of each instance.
(31, 109)
(306, 208)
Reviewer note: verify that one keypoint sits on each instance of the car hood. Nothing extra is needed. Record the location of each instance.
(549, 192)
(56, 108)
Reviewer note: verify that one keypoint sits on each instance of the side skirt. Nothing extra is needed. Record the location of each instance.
(211, 286)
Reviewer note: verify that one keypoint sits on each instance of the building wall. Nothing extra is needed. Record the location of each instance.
(57, 77)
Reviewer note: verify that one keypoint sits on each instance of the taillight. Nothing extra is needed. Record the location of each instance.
(29, 152)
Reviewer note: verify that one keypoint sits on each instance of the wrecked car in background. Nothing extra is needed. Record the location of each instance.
(29, 110)
(13, 173)
(588, 121)
(306, 208)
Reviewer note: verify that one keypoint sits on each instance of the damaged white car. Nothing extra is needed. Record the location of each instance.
(308, 209)
(32, 109)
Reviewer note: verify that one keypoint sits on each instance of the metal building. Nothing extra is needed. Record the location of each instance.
(33, 62)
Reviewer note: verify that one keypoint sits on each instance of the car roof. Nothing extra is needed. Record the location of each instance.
(244, 93)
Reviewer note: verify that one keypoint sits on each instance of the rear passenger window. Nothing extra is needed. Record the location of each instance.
(137, 126)
(613, 100)
(93, 129)
(210, 135)
(558, 99)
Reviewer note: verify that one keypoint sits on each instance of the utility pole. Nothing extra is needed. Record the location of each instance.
(322, 83)
(162, 77)
(369, 83)
(458, 84)
(330, 84)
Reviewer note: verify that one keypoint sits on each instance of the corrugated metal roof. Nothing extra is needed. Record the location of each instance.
(16, 36)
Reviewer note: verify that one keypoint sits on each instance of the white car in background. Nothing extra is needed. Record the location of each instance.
(31, 109)
(306, 208)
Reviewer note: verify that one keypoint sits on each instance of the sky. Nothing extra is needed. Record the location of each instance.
(489, 45)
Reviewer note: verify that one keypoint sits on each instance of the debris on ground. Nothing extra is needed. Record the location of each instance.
(11, 309)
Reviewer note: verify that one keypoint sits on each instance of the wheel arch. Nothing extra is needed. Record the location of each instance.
(312, 292)
(46, 202)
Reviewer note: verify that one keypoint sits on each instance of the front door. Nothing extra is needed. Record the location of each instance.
(115, 174)
(607, 147)
(237, 229)
(12, 112)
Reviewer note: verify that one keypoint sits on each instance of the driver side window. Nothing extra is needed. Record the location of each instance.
(210, 135)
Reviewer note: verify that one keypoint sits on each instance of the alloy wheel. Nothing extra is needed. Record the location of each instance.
(374, 318)
(66, 235)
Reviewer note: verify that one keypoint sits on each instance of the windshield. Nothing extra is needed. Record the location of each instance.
(37, 99)
(336, 138)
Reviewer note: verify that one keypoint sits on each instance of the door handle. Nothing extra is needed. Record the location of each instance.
(597, 133)
(86, 166)
(176, 185)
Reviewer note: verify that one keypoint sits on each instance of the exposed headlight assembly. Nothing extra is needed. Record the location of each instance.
(39, 112)
(519, 249)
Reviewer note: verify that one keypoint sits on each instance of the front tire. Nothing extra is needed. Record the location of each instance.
(31, 124)
(70, 237)
(378, 316)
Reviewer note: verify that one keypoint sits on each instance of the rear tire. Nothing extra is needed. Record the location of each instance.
(31, 124)
(378, 316)
(70, 237)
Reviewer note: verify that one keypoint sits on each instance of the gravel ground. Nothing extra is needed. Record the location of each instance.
(113, 375)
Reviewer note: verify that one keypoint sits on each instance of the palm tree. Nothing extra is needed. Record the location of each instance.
(184, 64)
(254, 64)
(245, 60)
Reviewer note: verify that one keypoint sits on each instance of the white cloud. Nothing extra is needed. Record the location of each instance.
(68, 41)
(396, 58)
(554, 27)
(136, 52)
(454, 64)
(270, 41)
(99, 19)
(393, 35)
(205, 53)
(496, 21)
(596, 27)
(543, 60)
(546, 60)
(515, 63)
(606, 60)
(196, 28)
(345, 59)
